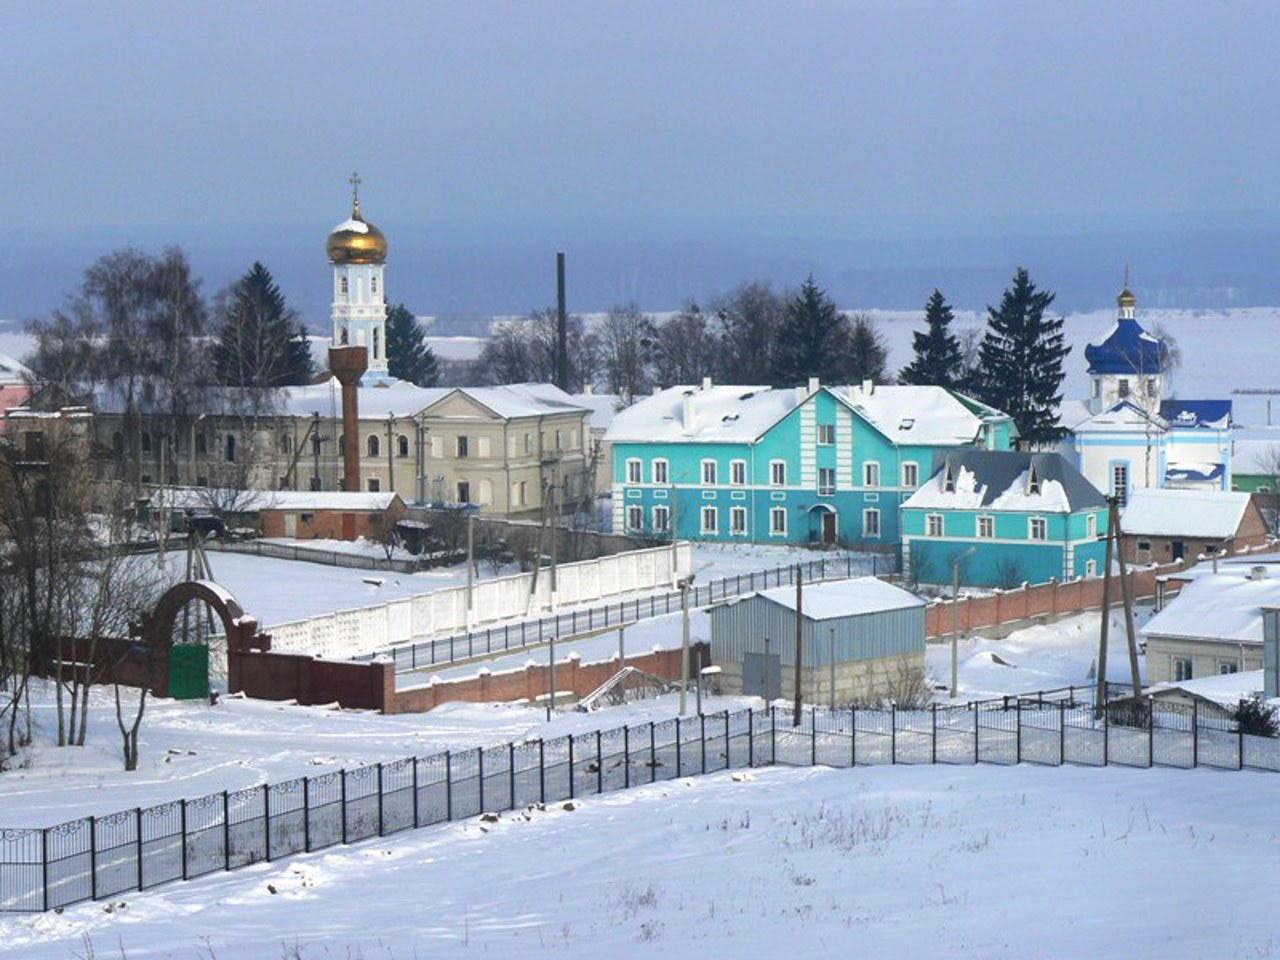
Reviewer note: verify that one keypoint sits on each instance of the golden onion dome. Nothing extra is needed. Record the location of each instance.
(356, 241)
(1126, 298)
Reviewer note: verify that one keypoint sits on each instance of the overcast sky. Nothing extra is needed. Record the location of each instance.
(165, 113)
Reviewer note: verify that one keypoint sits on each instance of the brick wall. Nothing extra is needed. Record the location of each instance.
(372, 686)
(1042, 600)
(322, 525)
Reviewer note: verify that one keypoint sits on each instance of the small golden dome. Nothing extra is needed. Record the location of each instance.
(1126, 298)
(356, 241)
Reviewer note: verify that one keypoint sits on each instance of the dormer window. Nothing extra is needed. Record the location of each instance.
(1033, 483)
(907, 423)
(949, 481)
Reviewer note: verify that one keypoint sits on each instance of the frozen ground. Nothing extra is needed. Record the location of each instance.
(983, 862)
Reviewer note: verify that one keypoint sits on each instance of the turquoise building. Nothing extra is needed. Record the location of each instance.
(1004, 518)
(814, 464)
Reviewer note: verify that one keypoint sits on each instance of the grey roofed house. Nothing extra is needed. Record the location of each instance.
(996, 471)
(871, 631)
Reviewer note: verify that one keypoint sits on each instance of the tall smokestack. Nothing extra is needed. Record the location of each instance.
(348, 364)
(562, 323)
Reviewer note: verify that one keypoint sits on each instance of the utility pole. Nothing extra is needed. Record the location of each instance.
(684, 642)
(795, 714)
(1100, 688)
(471, 560)
(1127, 600)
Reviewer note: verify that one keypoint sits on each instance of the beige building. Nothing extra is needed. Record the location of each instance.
(495, 447)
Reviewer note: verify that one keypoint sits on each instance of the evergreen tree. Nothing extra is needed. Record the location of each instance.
(1020, 361)
(938, 360)
(409, 356)
(261, 342)
(867, 354)
(813, 339)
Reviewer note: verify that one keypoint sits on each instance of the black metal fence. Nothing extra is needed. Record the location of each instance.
(514, 636)
(96, 857)
(331, 558)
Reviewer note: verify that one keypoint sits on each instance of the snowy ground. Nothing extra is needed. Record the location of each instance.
(981, 862)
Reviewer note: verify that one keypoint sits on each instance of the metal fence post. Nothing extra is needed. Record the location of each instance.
(44, 866)
(599, 765)
(382, 830)
(417, 820)
(343, 803)
(1018, 732)
(853, 736)
(653, 753)
(542, 771)
(448, 785)
(306, 813)
(813, 730)
(728, 744)
(511, 773)
(93, 859)
(1151, 733)
(751, 738)
(1195, 733)
(480, 774)
(182, 824)
(702, 727)
(137, 830)
(893, 733)
(773, 735)
(1239, 745)
(679, 763)
(626, 756)
(1062, 732)
(977, 725)
(1106, 734)
(933, 755)
(266, 819)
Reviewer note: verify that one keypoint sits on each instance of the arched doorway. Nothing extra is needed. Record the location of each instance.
(182, 636)
(824, 524)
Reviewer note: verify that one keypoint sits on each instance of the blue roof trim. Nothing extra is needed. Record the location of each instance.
(1128, 349)
(1193, 414)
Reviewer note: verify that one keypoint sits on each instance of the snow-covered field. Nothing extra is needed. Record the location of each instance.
(932, 861)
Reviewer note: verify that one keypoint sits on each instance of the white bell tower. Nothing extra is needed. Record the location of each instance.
(357, 252)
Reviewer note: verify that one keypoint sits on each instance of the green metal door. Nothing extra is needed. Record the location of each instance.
(189, 671)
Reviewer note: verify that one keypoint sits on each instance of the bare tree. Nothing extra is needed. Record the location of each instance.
(747, 321)
(625, 339)
(684, 350)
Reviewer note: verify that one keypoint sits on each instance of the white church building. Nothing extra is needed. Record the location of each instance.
(1128, 435)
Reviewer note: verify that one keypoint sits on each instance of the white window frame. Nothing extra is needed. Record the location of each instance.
(871, 524)
(712, 514)
(986, 527)
(661, 519)
(635, 470)
(826, 434)
(738, 521)
(934, 525)
(826, 481)
(635, 518)
(871, 473)
(738, 473)
(1091, 568)
(1039, 524)
(1091, 526)
(910, 474)
(777, 521)
(661, 470)
(777, 473)
(708, 473)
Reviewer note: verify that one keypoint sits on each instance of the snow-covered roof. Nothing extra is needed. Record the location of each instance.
(1211, 514)
(1224, 689)
(1073, 413)
(703, 414)
(377, 403)
(1217, 606)
(1197, 414)
(1127, 349)
(1001, 480)
(844, 598)
(1121, 417)
(11, 371)
(1256, 455)
(252, 501)
(924, 415)
(603, 406)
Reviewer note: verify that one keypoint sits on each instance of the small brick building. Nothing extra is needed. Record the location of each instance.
(1161, 526)
(328, 515)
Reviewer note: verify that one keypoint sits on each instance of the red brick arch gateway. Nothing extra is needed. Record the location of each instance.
(157, 630)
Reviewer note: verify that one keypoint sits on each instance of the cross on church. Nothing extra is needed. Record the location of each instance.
(355, 182)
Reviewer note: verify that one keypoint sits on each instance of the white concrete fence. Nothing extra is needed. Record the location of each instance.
(350, 633)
